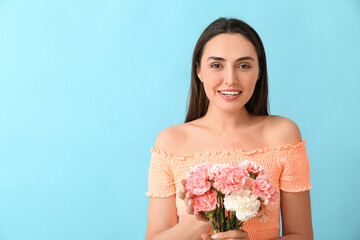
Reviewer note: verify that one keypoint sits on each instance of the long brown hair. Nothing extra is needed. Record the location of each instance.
(199, 103)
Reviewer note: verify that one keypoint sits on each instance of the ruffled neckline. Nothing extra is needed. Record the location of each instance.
(228, 152)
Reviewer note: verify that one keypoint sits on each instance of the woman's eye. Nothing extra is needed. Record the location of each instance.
(215, 65)
(244, 66)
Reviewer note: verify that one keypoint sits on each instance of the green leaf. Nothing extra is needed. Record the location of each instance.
(209, 214)
(222, 217)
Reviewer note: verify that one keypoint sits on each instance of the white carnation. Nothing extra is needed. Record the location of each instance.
(244, 204)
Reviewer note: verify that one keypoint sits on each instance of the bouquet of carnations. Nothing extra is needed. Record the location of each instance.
(229, 194)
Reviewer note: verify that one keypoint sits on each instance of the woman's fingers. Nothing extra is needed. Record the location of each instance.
(232, 234)
(205, 236)
(183, 182)
(189, 203)
(182, 193)
(200, 216)
(186, 196)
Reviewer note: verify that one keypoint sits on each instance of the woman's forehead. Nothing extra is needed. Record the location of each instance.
(229, 45)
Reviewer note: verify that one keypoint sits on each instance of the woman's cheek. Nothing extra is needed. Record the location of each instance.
(214, 79)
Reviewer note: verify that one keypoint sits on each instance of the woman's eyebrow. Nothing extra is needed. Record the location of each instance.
(237, 60)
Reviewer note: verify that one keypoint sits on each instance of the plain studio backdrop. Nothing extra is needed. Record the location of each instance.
(86, 86)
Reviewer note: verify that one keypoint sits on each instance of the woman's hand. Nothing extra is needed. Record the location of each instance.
(189, 203)
(232, 234)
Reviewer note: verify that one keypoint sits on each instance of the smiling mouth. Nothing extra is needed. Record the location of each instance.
(230, 93)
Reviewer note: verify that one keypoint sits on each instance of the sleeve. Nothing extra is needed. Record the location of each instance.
(295, 169)
(161, 179)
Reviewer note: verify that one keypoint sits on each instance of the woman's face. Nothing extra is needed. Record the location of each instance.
(229, 70)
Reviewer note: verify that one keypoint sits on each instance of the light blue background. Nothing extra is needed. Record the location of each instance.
(86, 86)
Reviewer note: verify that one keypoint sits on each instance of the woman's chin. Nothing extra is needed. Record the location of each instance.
(230, 109)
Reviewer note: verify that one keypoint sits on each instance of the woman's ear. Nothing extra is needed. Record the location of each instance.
(198, 71)
(259, 75)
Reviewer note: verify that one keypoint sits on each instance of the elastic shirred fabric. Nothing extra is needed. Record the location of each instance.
(161, 179)
(295, 175)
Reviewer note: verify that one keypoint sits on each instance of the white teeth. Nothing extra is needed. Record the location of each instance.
(231, 93)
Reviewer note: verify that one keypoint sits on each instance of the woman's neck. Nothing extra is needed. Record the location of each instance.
(227, 121)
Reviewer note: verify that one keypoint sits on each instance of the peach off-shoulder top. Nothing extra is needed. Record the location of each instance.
(287, 166)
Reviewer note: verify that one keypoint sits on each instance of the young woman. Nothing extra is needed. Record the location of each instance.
(228, 122)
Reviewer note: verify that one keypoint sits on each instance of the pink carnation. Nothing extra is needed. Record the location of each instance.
(263, 213)
(205, 202)
(263, 188)
(252, 167)
(215, 171)
(233, 178)
(198, 179)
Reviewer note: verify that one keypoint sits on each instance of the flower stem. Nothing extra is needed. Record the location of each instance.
(229, 221)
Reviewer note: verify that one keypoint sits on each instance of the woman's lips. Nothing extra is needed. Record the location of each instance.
(229, 98)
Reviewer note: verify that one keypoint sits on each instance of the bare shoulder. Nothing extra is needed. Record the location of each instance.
(169, 138)
(283, 130)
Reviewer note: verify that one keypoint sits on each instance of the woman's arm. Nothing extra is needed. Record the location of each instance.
(163, 224)
(296, 215)
(162, 216)
(295, 206)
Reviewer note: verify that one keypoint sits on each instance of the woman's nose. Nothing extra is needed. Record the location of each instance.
(230, 77)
